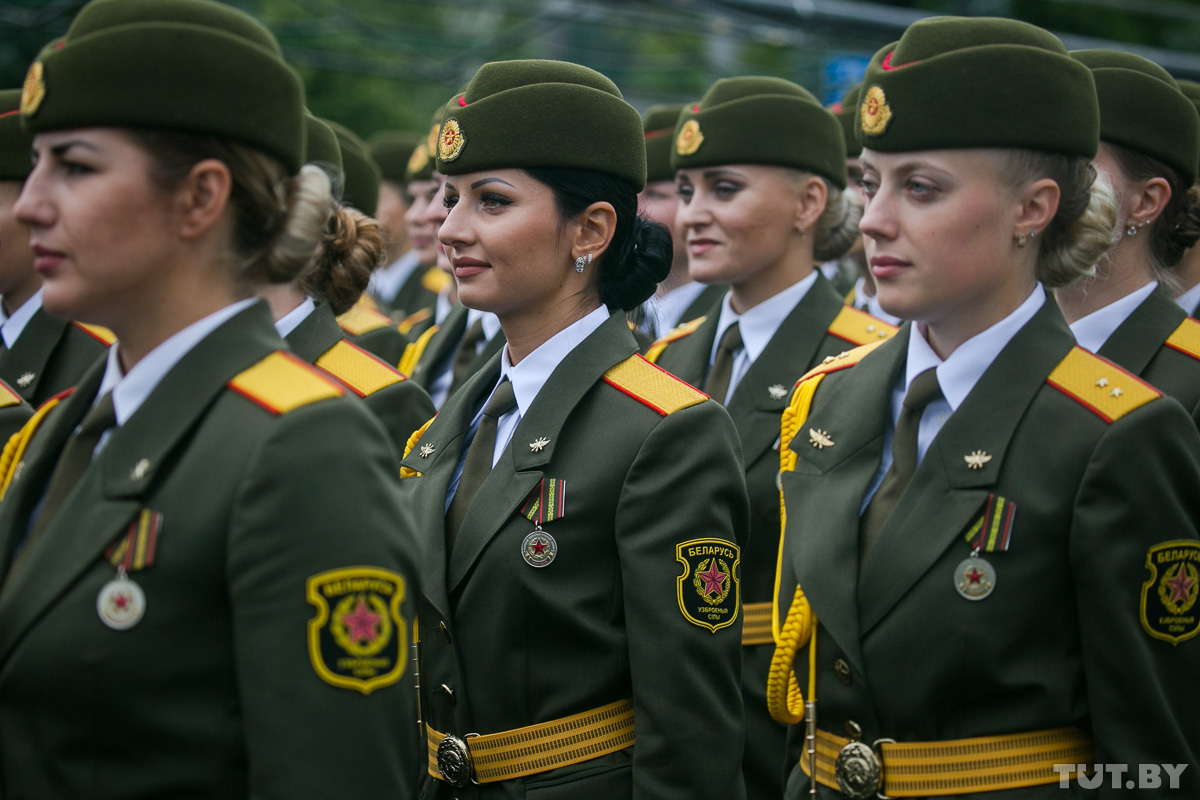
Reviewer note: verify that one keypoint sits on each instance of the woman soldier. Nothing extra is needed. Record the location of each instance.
(759, 213)
(1149, 143)
(40, 355)
(207, 564)
(989, 565)
(1187, 271)
(305, 310)
(584, 508)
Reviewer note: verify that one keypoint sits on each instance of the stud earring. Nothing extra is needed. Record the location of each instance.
(590, 257)
(1032, 234)
(1022, 239)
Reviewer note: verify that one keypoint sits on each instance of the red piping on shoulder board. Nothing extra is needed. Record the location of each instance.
(888, 66)
(10, 113)
(644, 401)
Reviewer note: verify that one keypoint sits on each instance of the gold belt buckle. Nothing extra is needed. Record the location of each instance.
(858, 768)
(454, 761)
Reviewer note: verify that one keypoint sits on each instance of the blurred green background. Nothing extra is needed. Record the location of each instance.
(375, 64)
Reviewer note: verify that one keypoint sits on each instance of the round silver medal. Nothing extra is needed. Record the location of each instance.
(121, 603)
(539, 548)
(975, 578)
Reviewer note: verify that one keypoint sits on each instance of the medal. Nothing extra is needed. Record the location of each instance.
(121, 602)
(975, 577)
(539, 548)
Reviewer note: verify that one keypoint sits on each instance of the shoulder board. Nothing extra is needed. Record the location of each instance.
(1100, 385)
(1186, 338)
(850, 297)
(14, 449)
(653, 386)
(414, 351)
(7, 396)
(859, 327)
(846, 358)
(436, 280)
(359, 320)
(282, 382)
(675, 334)
(364, 373)
(102, 335)
(413, 320)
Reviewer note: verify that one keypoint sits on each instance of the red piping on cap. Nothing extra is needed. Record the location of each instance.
(888, 66)
(10, 113)
(659, 132)
(462, 100)
(696, 108)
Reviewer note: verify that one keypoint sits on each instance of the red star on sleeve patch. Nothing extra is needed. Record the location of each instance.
(708, 590)
(358, 640)
(1168, 607)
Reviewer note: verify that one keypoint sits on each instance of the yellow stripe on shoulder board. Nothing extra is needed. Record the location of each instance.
(846, 358)
(436, 280)
(652, 386)
(414, 319)
(1186, 338)
(103, 335)
(859, 327)
(362, 372)
(1100, 385)
(7, 396)
(414, 351)
(675, 334)
(281, 382)
(359, 320)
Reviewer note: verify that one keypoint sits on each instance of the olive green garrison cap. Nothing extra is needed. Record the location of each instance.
(1142, 108)
(659, 123)
(361, 173)
(14, 141)
(760, 120)
(954, 82)
(194, 66)
(392, 150)
(846, 113)
(540, 114)
(321, 145)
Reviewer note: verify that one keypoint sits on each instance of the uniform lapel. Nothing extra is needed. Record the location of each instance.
(440, 346)
(317, 333)
(829, 483)
(112, 490)
(1138, 339)
(24, 364)
(520, 468)
(947, 495)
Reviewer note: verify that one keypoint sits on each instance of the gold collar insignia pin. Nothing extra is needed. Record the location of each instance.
(539, 444)
(819, 438)
(977, 459)
(427, 450)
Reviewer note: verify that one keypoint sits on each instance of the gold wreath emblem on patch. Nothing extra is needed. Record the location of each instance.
(34, 90)
(875, 111)
(419, 158)
(450, 140)
(690, 138)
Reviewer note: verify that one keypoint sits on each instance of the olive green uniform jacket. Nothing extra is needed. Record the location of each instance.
(803, 340)
(418, 291)
(216, 691)
(437, 354)
(373, 331)
(506, 645)
(14, 412)
(400, 404)
(1059, 641)
(1159, 343)
(50, 356)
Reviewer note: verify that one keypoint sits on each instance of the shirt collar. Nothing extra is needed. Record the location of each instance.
(291, 320)
(441, 307)
(759, 324)
(959, 373)
(11, 328)
(871, 302)
(1093, 330)
(491, 323)
(531, 374)
(1189, 299)
(130, 390)
(665, 310)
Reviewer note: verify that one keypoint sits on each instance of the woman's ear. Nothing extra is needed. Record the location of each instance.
(597, 225)
(1037, 206)
(1147, 201)
(202, 197)
(811, 195)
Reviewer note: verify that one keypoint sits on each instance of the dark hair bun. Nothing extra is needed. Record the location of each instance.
(354, 247)
(644, 264)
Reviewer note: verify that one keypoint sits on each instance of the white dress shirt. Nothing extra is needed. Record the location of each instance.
(663, 312)
(1189, 299)
(291, 320)
(957, 376)
(12, 327)
(1093, 330)
(439, 389)
(757, 326)
(386, 281)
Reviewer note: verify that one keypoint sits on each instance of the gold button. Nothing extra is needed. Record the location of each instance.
(843, 671)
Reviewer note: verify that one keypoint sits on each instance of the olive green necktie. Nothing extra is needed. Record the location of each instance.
(479, 459)
(921, 392)
(464, 356)
(717, 385)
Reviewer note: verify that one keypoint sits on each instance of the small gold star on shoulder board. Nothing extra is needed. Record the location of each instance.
(25, 379)
(539, 444)
(777, 391)
(977, 459)
(426, 450)
(819, 438)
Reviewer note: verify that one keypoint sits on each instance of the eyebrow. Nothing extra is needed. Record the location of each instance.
(719, 173)
(485, 181)
(63, 147)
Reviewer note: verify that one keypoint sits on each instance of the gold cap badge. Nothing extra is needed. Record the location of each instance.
(690, 138)
(419, 158)
(34, 90)
(875, 111)
(431, 142)
(450, 141)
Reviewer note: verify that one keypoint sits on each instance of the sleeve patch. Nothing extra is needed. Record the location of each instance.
(362, 372)
(859, 327)
(1101, 386)
(1168, 608)
(1186, 338)
(652, 386)
(708, 590)
(102, 335)
(281, 382)
(361, 319)
(358, 640)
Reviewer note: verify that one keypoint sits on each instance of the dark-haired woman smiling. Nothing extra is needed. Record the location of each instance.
(584, 509)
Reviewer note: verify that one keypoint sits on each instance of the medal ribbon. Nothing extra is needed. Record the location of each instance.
(135, 549)
(993, 532)
(546, 503)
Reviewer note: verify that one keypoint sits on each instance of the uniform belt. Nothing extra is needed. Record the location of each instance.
(756, 624)
(528, 751)
(959, 766)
